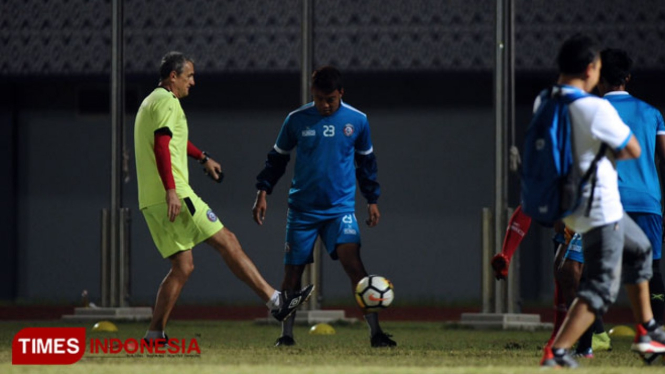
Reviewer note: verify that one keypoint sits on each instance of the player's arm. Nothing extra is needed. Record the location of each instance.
(210, 166)
(660, 155)
(660, 161)
(163, 161)
(275, 166)
(631, 150)
(608, 127)
(660, 147)
(366, 173)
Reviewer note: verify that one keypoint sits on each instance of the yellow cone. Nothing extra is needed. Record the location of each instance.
(621, 331)
(322, 329)
(105, 326)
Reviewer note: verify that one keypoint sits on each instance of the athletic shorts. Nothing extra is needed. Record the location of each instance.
(195, 224)
(574, 250)
(614, 253)
(652, 225)
(302, 230)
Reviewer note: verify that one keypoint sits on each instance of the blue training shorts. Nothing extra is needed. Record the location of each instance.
(652, 225)
(303, 228)
(574, 250)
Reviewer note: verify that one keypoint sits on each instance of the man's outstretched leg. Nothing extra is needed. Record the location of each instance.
(518, 226)
(226, 243)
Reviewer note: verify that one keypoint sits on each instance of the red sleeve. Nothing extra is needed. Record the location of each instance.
(193, 152)
(163, 159)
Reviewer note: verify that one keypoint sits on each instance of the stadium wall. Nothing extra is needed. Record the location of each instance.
(421, 70)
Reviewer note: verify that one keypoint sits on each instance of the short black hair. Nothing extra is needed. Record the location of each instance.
(576, 54)
(616, 66)
(327, 79)
(173, 61)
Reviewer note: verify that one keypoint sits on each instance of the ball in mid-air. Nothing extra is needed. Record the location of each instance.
(374, 293)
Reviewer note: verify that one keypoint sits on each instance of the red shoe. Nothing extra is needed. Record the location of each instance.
(648, 341)
(500, 264)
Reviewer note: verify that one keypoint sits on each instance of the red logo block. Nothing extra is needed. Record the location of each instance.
(48, 346)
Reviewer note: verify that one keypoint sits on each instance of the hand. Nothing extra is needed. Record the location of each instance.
(559, 226)
(374, 215)
(500, 266)
(173, 203)
(260, 207)
(213, 169)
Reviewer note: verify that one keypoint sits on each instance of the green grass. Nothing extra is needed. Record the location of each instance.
(245, 347)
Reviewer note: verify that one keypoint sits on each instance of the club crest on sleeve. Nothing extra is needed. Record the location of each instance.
(348, 129)
(211, 216)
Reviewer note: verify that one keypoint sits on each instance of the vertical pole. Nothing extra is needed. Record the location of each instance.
(487, 278)
(512, 283)
(313, 271)
(307, 52)
(104, 270)
(9, 256)
(504, 116)
(513, 289)
(510, 68)
(117, 146)
(499, 145)
(123, 257)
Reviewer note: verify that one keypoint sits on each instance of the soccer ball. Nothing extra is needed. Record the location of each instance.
(374, 293)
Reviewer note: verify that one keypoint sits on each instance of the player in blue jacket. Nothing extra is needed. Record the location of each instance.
(333, 149)
(639, 185)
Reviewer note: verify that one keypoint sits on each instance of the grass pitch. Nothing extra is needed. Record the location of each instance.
(246, 347)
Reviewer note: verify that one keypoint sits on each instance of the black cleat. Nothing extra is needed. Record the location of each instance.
(285, 341)
(382, 339)
(289, 303)
(157, 342)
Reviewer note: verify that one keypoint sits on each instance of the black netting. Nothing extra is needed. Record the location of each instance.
(74, 36)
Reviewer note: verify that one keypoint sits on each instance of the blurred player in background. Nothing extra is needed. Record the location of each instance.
(639, 184)
(334, 149)
(568, 268)
(568, 274)
(177, 218)
(615, 248)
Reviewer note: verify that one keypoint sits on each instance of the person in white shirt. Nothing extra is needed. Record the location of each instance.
(610, 237)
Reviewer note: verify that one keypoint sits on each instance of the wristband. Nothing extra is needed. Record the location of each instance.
(205, 158)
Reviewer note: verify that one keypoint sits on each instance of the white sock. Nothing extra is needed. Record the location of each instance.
(275, 301)
(154, 334)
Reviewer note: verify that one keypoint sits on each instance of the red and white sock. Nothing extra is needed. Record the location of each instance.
(518, 226)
